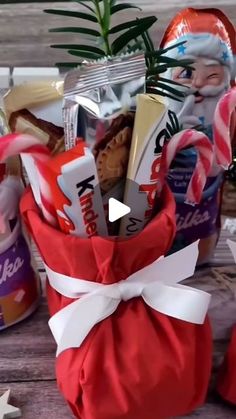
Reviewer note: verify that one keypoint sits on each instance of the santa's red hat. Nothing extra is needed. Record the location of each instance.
(206, 32)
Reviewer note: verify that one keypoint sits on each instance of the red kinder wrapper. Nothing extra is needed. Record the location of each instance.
(137, 363)
(73, 181)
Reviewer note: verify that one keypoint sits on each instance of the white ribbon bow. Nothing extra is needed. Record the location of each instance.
(232, 246)
(157, 284)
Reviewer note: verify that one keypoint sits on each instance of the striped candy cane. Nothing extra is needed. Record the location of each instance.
(204, 148)
(221, 128)
(14, 144)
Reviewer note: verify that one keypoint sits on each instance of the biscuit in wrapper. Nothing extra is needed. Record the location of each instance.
(112, 156)
(112, 153)
(113, 160)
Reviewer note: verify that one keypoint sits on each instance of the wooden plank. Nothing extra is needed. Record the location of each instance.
(38, 400)
(27, 355)
(27, 350)
(29, 43)
(29, 1)
(42, 399)
(219, 350)
(213, 410)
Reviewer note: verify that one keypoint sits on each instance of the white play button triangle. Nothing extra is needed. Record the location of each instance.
(116, 209)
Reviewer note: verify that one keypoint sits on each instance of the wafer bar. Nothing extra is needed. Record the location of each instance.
(145, 153)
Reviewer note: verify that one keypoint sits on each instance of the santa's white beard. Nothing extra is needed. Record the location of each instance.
(206, 108)
(191, 113)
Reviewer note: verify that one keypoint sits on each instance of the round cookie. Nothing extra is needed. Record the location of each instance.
(112, 161)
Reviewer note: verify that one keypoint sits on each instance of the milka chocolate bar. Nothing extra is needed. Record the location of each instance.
(145, 153)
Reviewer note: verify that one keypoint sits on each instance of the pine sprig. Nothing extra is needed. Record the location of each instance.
(98, 13)
(108, 40)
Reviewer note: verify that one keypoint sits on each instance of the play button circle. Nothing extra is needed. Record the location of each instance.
(127, 208)
(117, 210)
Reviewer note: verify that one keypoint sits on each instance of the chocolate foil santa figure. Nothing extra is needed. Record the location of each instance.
(206, 37)
(209, 41)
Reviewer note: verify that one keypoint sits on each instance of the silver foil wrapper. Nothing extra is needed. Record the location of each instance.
(4, 128)
(97, 93)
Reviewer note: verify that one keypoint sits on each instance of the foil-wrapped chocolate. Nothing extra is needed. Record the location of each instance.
(99, 107)
(4, 128)
(98, 93)
(36, 108)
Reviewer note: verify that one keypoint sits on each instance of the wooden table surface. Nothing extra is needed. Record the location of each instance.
(27, 350)
(25, 40)
(27, 353)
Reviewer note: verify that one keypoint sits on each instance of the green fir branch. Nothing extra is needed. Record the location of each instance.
(128, 36)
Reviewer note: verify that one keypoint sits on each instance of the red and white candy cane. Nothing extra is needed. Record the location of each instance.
(14, 144)
(204, 148)
(221, 128)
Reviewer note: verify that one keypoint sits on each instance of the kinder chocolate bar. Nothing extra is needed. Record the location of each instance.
(149, 134)
(76, 193)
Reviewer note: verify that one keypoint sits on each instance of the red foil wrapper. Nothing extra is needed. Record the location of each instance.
(196, 21)
(208, 32)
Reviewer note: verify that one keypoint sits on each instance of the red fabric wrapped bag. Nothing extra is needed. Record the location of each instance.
(137, 363)
(227, 376)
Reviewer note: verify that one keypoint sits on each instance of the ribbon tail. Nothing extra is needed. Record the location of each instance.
(178, 301)
(173, 268)
(180, 265)
(232, 246)
(72, 324)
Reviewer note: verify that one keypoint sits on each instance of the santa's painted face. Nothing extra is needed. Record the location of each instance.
(206, 73)
(203, 87)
